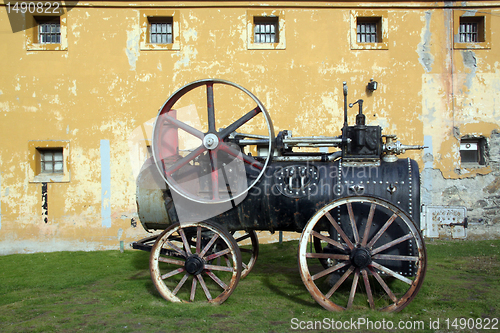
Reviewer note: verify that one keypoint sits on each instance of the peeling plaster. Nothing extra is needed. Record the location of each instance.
(470, 62)
(187, 54)
(132, 50)
(190, 34)
(73, 88)
(425, 56)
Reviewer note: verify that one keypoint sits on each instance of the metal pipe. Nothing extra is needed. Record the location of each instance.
(324, 158)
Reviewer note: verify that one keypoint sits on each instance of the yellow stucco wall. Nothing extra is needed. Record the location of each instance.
(104, 85)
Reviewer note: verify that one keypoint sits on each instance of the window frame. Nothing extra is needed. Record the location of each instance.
(35, 172)
(149, 16)
(254, 16)
(380, 17)
(484, 29)
(32, 34)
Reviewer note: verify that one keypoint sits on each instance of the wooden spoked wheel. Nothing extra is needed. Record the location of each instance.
(250, 252)
(371, 255)
(195, 262)
(210, 168)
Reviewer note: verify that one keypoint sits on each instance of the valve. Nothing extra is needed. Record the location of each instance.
(393, 147)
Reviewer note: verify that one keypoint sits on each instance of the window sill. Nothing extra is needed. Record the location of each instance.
(46, 47)
(473, 46)
(369, 46)
(160, 47)
(50, 178)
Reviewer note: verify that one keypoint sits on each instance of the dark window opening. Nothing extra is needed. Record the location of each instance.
(161, 30)
(266, 30)
(471, 29)
(51, 160)
(49, 30)
(473, 151)
(368, 30)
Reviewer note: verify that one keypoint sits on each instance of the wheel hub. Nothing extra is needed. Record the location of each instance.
(194, 265)
(210, 141)
(361, 257)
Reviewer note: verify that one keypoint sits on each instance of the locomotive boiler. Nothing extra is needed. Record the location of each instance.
(218, 173)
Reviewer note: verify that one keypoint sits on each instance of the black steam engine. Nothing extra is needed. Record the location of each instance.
(212, 182)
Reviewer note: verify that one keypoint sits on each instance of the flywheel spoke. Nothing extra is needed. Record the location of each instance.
(183, 126)
(185, 160)
(238, 123)
(214, 174)
(210, 107)
(239, 155)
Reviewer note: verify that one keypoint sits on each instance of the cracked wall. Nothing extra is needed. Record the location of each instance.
(106, 84)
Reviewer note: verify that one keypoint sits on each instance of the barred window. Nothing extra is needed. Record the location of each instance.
(160, 30)
(266, 30)
(471, 29)
(368, 30)
(49, 30)
(51, 160)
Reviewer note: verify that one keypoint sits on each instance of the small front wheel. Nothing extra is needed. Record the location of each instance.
(195, 262)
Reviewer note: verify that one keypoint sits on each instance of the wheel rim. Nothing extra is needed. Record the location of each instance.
(362, 258)
(195, 262)
(212, 146)
(249, 253)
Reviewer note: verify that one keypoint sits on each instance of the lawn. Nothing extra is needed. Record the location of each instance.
(110, 291)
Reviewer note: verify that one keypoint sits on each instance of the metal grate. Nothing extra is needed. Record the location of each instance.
(160, 31)
(49, 31)
(468, 32)
(51, 160)
(265, 30)
(367, 32)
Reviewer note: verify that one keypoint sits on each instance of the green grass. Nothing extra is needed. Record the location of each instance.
(111, 291)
